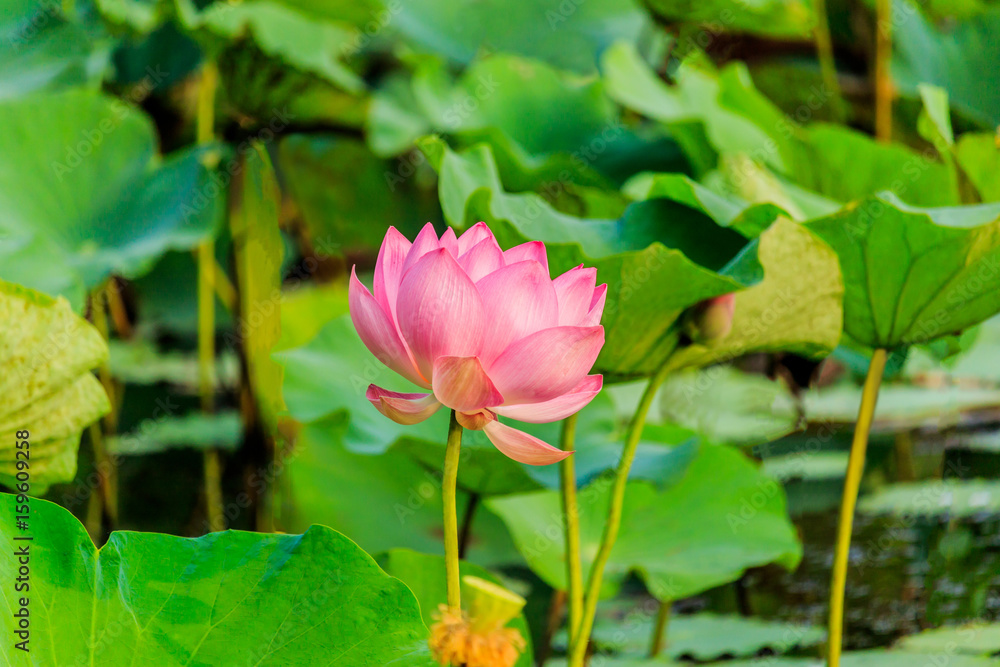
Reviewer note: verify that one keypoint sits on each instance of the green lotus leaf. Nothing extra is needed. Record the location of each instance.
(772, 18)
(972, 639)
(899, 406)
(702, 636)
(258, 250)
(979, 156)
(157, 599)
(84, 194)
(959, 57)
(222, 430)
(914, 274)
(722, 517)
(47, 352)
(569, 36)
(301, 40)
(43, 50)
(937, 499)
(727, 405)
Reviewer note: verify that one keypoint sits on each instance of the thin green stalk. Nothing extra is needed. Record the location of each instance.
(449, 484)
(571, 516)
(827, 64)
(578, 651)
(855, 467)
(212, 460)
(883, 76)
(660, 629)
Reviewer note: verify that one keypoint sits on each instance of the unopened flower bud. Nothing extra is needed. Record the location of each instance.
(711, 319)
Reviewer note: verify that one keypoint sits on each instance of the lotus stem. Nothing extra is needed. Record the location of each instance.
(578, 650)
(827, 64)
(212, 461)
(449, 484)
(855, 468)
(883, 76)
(571, 517)
(656, 643)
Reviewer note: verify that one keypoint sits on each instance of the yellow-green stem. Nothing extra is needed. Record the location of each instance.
(449, 484)
(212, 462)
(827, 64)
(852, 483)
(578, 650)
(571, 517)
(883, 76)
(660, 628)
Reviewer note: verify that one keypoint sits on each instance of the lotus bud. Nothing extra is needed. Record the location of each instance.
(711, 319)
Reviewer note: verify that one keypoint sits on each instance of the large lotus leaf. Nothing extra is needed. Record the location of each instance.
(872, 658)
(84, 195)
(382, 502)
(721, 518)
(301, 40)
(739, 175)
(725, 209)
(702, 636)
(973, 639)
(727, 405)
(649, 285)
(348, 197)
(845, 165)
(938, 499)
(773, 18)
(979, 156)
(258, 250)
(899, 406)
(959, 57)
(195, 430)
(544, 125)
(40, 49)
(424, 574)
(913, 275)
(736, 117)
(226, 598)
(796, 307)
(46, 352)
(138, 361)
(568, 35)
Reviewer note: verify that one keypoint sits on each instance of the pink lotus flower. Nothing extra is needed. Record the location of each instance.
(486, 331)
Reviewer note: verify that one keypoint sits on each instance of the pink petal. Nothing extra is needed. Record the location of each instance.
(404, 409)
(519, 300)
(449, 241)
(593, 317)
(462, 384)
(522, 447)
(425, 242)
(546, 364)
(531, 250)
(482, 259)
(557, 408)
(389, 269)
(439, 310)
(575, 291)
(378, 332)
(473, 236)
